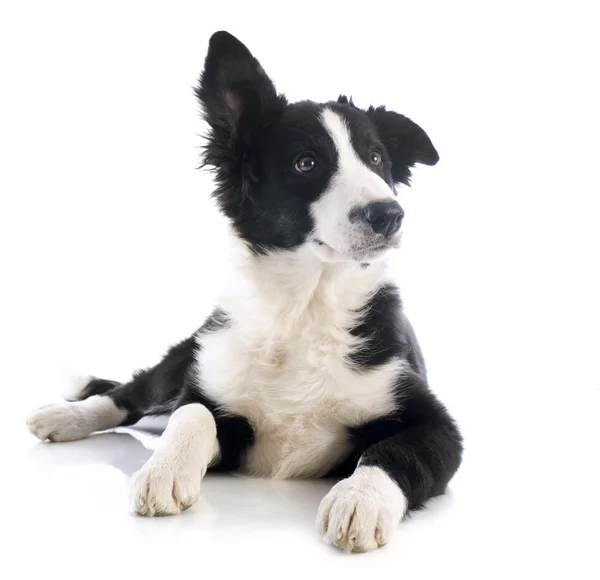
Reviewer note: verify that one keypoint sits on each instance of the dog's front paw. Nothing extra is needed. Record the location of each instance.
(360, 513)
(161, 489)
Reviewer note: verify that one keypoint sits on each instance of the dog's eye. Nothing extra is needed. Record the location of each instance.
(375, 158)
(305, 164)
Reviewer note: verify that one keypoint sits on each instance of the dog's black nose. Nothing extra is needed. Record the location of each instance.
(384, 217)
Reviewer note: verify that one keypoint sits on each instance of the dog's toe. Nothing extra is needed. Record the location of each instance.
(157, 490)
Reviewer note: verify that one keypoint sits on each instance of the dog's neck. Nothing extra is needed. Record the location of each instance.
(297, 285)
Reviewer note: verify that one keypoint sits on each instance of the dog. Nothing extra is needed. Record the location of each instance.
(308, 366)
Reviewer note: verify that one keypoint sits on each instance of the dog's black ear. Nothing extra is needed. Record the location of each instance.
(236, 97)
(404, 140)
(234, 87)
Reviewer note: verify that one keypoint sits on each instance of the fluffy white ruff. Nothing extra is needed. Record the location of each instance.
(284, 361)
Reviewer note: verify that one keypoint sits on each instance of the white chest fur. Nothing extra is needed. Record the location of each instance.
(283, 364)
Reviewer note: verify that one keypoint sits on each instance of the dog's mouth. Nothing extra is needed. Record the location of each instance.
(366, 253)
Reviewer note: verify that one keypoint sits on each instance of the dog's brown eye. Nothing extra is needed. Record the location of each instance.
(375, 158)
(305, 164)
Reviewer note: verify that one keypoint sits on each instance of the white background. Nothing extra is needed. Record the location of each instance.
(111, 251)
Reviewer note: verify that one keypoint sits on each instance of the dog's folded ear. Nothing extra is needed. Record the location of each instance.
(404, 140)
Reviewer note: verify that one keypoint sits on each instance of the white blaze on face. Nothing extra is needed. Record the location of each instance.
(353, 185)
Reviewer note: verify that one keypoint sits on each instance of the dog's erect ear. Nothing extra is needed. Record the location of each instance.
(234, 90)
(405, 141)
(237, 99)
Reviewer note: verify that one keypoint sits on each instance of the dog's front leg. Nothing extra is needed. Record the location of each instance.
(170, 480)
(407, 459)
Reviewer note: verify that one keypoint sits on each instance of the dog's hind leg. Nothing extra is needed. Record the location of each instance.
(102, 404)
(169, 482)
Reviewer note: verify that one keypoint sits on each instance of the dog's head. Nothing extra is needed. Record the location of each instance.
(304, 173)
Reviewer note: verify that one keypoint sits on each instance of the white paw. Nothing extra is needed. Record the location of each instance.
(76, 420)
(60, 422)
(159, 489)
(361, 513)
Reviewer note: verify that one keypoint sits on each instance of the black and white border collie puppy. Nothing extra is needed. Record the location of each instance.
(308, 366)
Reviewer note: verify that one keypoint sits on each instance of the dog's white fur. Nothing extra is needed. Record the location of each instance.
(169, 482)
(283, 362)
(71, 421)
(353, 185)
(361, 512)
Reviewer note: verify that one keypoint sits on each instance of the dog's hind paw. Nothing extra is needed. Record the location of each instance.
(59, 422)
(71, 421)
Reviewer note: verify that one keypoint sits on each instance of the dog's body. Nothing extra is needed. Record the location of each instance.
(308, 366)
